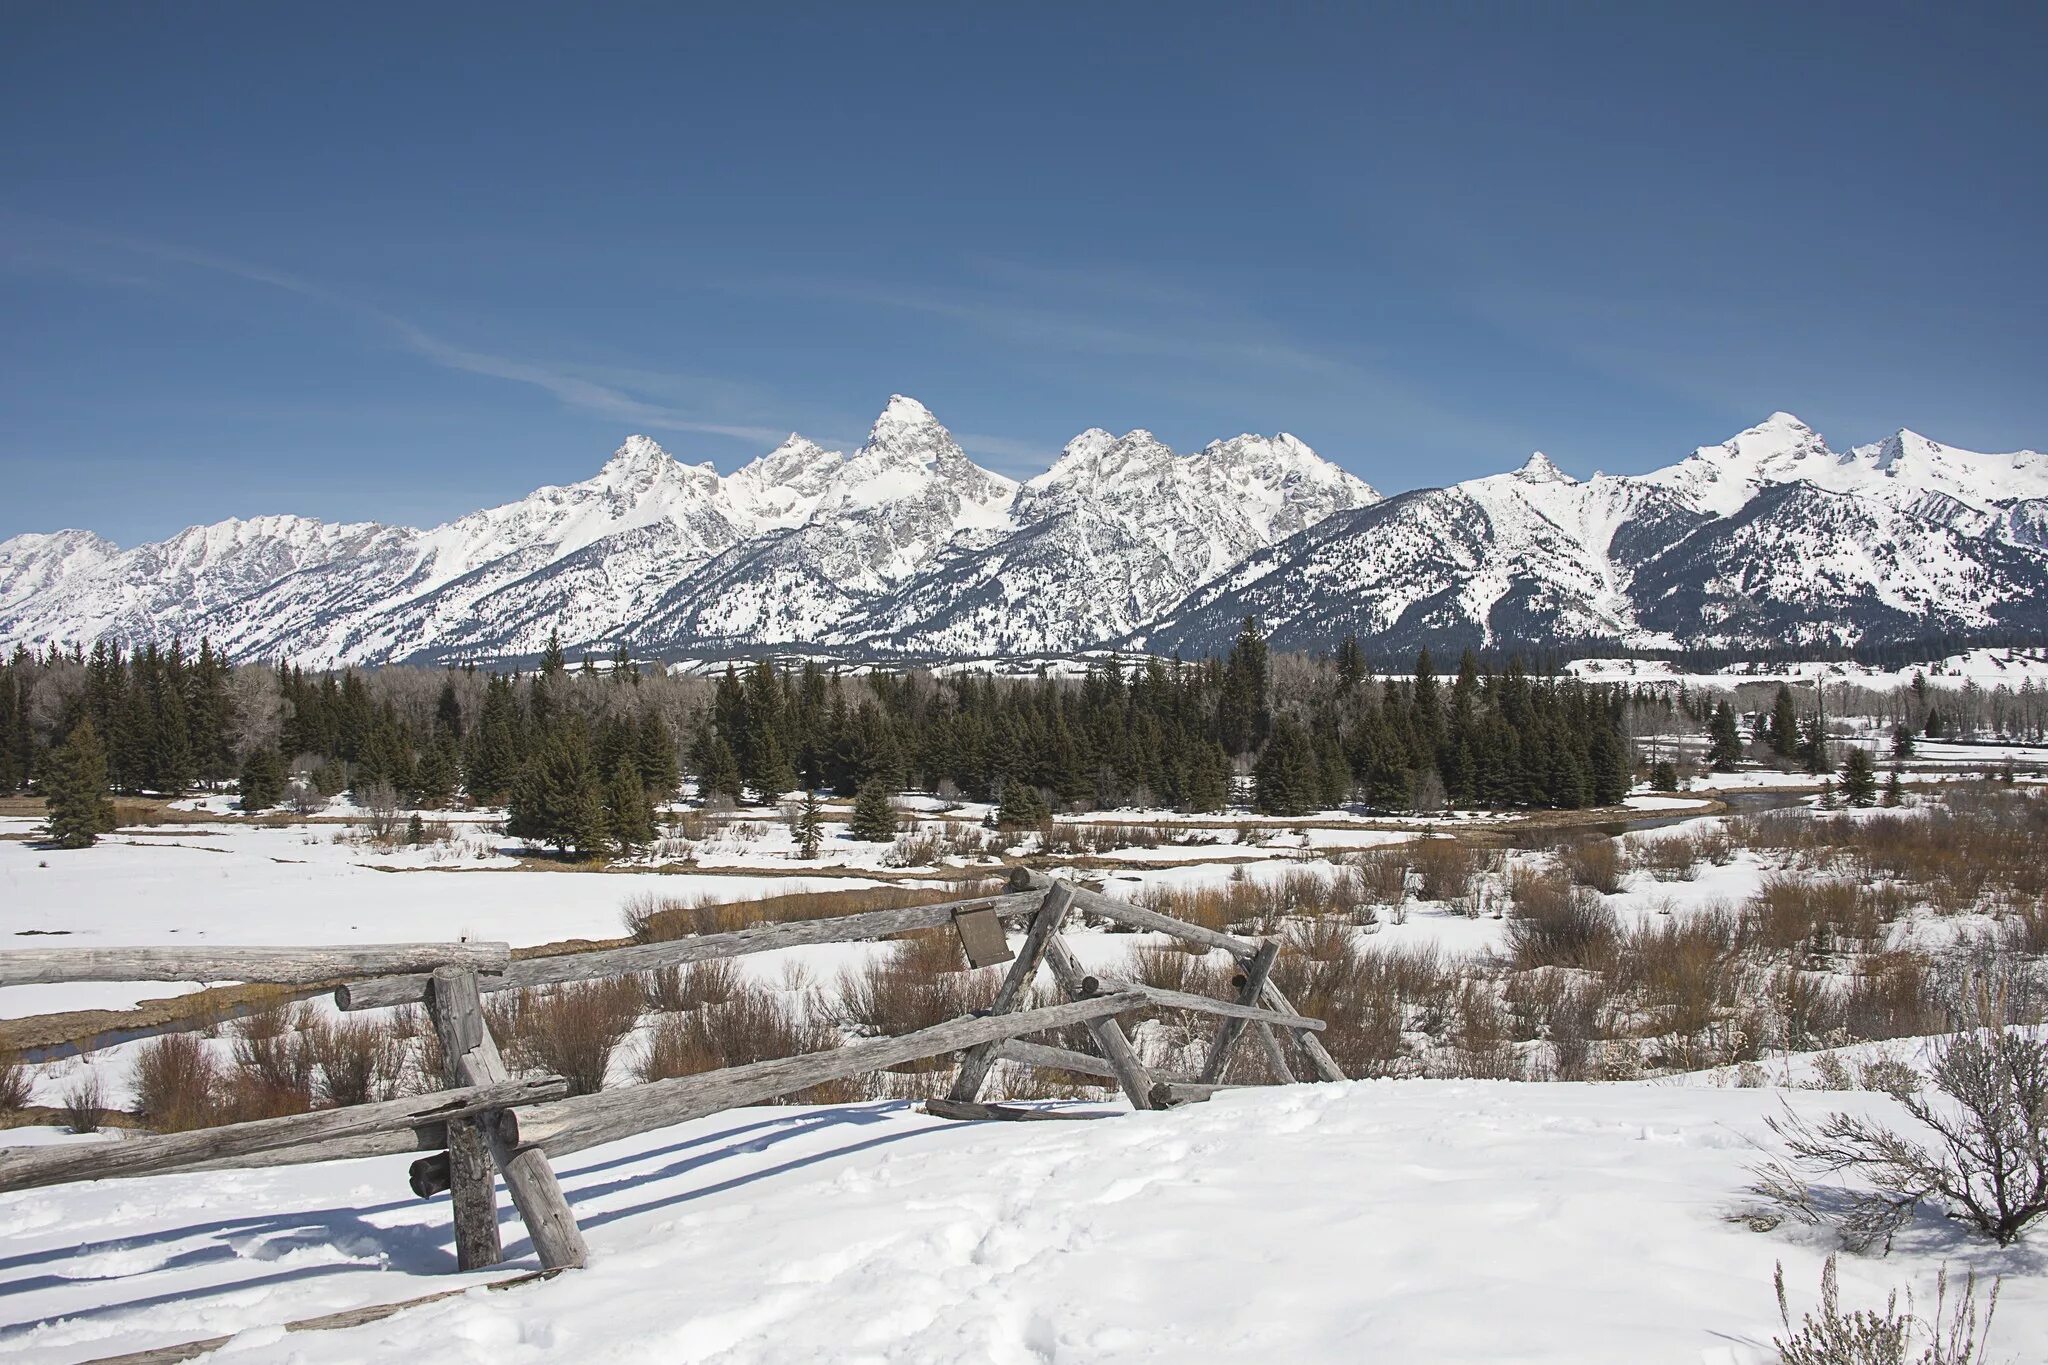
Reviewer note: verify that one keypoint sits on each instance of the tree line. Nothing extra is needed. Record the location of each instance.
(582, 756)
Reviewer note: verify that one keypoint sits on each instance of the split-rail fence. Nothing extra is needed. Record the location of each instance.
(488, 1124)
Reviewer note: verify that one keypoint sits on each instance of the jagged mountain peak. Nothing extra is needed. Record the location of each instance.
(1539, 468)
(637, 463)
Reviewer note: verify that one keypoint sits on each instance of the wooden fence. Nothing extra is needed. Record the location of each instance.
(487, 1123)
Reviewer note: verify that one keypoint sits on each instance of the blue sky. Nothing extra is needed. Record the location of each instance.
(401, 262)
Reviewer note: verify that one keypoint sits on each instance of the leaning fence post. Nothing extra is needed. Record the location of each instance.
(1109, 1036)
(976, 1061)
(466, 1040)
(1229, 1030)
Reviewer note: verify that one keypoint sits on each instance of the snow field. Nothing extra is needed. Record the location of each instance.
(1410, 1221)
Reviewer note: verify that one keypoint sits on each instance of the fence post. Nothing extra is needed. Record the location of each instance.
(1109, 1036)
(1228, 1031)
(976, 1061)
(472, 1181)
(471, 1052)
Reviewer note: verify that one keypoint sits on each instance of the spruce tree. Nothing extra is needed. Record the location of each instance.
(1724, 742)
(1207, 787)
(1894, 789)
(1902, 743)
(1022, 806)
(718, 772)
(75, 790)
(1859, 777)
(655, 752)
(262, 779)
(874, 819)
(558, 801)
(1287, 780)
(810, 827)
(630, 813)
(1784, 727)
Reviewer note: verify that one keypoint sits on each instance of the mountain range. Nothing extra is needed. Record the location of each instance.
(907, 549)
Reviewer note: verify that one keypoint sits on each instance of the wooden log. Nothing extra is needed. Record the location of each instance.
(26, 1168)
(466, 1042)
(1165, 1093)
(976, 1061)
(971, 1110)
(1110, 1041)
(428, 1137)
(1060, 1058)
(1138, 917)
(465, 1170)
(1276, 1055)
(1319, 1057)
(1200, 1004)
(645, 957)
(584, 1121)
(43, 966)
(1230, 1028)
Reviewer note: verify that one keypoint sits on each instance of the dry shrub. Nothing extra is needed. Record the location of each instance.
(1596, 863)
(359, 1060)
(894, 992)
(1671, 858)
(1445, 868)
(1264, 906)
(1808, 1007)
(1534, 892)
(1320, 940)
(1793, 913)
(914, 850)
(754, 1025)
(85, 1106)
(1574, 1020)
(1680, 971)
(1573, 930)
(692, 985)
(177, 1081)
(274, 1064)
(1369, 999)
(2024, 928)
(1381, 875)
(1483, 1044)
(16, 1088)
(1169, 968)
(572, 1030)
(1892, 996)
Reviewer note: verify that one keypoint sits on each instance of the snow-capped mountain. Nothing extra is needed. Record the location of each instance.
(907, 548)
(1766, 539)
(886, 548)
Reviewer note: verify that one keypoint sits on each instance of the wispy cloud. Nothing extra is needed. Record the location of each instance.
(573, 386)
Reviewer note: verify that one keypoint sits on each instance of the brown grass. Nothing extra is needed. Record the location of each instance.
(1892, 996)
(896, 991)
(1573, 930)
(754, 1025)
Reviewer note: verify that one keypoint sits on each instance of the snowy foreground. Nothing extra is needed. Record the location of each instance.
(1399, 1221)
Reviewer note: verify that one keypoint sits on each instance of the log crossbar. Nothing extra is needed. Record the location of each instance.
(268, 966)
(28, 1168)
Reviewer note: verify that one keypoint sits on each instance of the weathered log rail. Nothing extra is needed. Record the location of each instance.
(486, 1121)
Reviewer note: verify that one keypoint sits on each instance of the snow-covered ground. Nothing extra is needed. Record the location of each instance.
(1987, 668)
(1402, 1221)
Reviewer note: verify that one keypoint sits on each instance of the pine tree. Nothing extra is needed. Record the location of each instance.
(630, 813)
(415, 830)
(1859, 777)
(262, 780)
(74, 790)
(1287, 780)
(1894, 789)
(1207, 787)
(1664, 777)
(719, 772)
(810, 827)
(1902, 743)
(1784, 726)
(1724, 742)
(1813, 747)
(874, 819)
(655, 752)
(558, 800)
(1022, 806)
